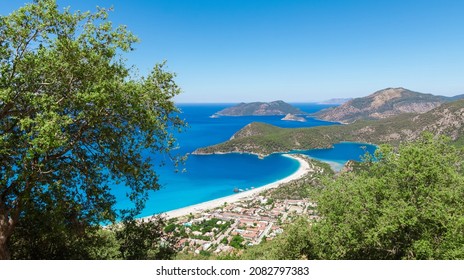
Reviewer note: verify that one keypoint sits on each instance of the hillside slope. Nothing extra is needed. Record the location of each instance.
(264, 139)
(382, 104)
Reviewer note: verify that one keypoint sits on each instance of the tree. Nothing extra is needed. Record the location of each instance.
(408, 204)
(237, 241)
(294, 244)
(73, 119)
(405, 203)
(142, 240)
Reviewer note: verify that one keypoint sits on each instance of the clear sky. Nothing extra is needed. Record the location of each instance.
(263, 50)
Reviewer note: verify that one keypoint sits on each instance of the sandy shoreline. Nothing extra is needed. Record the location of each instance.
(197, 208)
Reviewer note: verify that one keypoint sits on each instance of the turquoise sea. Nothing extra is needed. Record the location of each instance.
(208, 177)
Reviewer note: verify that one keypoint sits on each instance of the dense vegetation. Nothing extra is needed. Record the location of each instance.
(407, 205)
(72, 119)
(130, 239)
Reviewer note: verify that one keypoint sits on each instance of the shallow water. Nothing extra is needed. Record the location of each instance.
(209, 177)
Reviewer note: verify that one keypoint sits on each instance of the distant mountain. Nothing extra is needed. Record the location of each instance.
(264, 139)
(382, 104)
(335, 101)
(457, 97)
(274, 108)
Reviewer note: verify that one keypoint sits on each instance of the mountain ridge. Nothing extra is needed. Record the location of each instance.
(264, 139)
(382, 104)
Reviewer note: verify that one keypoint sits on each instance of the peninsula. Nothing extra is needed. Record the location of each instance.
(264, 139)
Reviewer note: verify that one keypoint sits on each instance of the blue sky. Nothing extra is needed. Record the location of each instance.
(297, 51)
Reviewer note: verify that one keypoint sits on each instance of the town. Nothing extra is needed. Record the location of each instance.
(237, 225)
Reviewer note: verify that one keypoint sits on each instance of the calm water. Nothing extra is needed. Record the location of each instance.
(340, 153)
(213, 176)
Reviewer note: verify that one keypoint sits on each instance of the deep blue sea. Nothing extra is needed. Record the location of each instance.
(208, 177)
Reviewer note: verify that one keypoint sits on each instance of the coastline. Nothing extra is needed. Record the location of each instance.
(302, 170)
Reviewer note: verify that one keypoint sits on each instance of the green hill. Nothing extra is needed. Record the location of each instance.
(264, 139)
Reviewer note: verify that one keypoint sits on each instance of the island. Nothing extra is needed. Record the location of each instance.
(292, 117)
(264, 139)
(274, 108)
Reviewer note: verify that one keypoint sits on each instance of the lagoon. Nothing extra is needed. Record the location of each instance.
(340, 153)
(208, 177)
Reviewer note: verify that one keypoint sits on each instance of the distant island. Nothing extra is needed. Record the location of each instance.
(292, 117)
(274, 108)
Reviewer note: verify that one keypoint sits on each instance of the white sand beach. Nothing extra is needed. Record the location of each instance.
(197, 208)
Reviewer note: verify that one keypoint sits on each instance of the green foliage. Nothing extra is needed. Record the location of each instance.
(295, 243)
(73, 118)
(142, 240)
(103, 246)
(50, 232)
(207, 225)
(202, 237)
(305, 187)
(181, 233)
(170, 228)
(205, 253)
(237, 241)
(408, 205)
